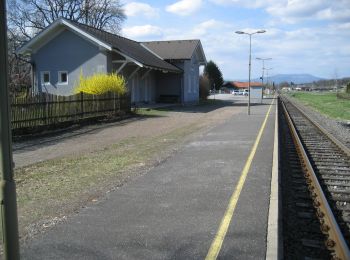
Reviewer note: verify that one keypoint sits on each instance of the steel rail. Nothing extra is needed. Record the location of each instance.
(329, 225)
(341, 146)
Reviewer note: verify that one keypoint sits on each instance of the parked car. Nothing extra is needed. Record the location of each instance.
(235, 92)
(246, 92)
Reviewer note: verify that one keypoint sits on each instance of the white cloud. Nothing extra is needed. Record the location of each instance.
(138, 8)
(333, 14)
(247, 3)
(184, 7)
(293, 11)
(134, 32)
(316, 48)
(203, 28)
(297, 8)
(313, 50)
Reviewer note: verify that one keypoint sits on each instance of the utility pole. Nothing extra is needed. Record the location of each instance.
(250, 60)
(8, 187)
(250, 68)
(262, 77)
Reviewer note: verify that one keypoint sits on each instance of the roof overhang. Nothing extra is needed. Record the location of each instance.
(139, 64)
(51, 31)
(128, 58)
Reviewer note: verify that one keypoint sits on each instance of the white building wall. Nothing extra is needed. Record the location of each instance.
(256, 94)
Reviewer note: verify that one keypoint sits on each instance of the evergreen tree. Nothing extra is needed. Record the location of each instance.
(214, 74)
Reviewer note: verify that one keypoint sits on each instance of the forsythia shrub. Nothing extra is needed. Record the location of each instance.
(101, 83)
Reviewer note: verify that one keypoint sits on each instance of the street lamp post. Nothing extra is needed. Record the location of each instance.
(263, 68)
(250, 60)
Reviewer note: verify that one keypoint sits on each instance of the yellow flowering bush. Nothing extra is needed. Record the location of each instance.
(98, 84)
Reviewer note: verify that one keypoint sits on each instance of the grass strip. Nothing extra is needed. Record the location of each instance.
(59, 187)
(326, 103)
(153, 111)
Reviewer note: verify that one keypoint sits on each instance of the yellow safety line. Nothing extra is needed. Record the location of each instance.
(225, 222)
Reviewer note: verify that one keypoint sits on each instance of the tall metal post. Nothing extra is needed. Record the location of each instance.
(250, 60)
(8, 187)
(262, 74)
(262, 83)
(250, 65)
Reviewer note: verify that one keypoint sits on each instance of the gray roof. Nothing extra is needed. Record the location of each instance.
(173, 50)
(129, 47)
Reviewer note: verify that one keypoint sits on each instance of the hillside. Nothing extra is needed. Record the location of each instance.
(295, 78)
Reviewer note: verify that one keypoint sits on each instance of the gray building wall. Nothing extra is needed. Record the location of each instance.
(67, 52)
(142, 89)
(191, 81)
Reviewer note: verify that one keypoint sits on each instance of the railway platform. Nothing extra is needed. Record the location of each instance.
(209, 200)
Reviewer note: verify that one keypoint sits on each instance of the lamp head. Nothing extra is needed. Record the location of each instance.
(263, 58)
(261, 31)
(240, 32)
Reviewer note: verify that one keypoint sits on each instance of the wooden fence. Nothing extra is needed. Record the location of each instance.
(47, 109)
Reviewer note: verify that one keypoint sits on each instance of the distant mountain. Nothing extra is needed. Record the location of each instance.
(295, 78)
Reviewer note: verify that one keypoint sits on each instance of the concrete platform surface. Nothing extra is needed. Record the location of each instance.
(174, 211)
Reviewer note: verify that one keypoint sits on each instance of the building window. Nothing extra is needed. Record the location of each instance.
(45, 77)
(62, 77)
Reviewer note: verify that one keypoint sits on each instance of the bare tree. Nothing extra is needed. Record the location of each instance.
(18, 68)
(28, 17)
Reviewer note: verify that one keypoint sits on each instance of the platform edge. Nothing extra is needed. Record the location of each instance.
(274, 245)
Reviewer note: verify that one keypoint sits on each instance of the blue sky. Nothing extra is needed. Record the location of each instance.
(302, 36)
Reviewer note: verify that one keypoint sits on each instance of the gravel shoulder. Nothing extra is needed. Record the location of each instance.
(96, 137)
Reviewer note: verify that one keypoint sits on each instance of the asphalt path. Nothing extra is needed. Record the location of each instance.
(175, 210)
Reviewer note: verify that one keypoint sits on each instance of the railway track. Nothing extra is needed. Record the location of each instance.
(315, 188)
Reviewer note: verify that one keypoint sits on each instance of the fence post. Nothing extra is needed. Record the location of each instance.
(46, 96)
(114, 105)
(82, 104)
(8, 207)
